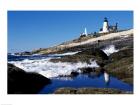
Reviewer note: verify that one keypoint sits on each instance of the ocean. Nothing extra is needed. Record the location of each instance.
(41, 64)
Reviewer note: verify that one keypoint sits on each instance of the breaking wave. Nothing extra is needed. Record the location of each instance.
(64, 54)
(51, 69)
(110, 49)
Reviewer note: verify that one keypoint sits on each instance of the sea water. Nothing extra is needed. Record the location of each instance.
(41, 64)
(85, 81)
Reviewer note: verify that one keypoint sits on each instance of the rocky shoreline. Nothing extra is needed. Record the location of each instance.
(121, 65)
(118, 64)
(89, 91)
(21, 82)
(80, 42)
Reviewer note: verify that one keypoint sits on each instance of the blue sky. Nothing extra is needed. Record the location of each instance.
(29, 30)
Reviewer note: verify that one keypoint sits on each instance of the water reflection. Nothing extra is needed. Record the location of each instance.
(95, 79)
(103, 81)
(106, 78)
(98, 74)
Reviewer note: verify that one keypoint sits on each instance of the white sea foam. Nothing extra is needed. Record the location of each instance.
(50, 69)
(64, 54)
(36, 54)
(110, 49)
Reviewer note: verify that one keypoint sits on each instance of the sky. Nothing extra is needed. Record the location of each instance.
(30, 30)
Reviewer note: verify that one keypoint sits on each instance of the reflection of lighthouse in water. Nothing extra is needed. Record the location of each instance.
(106, 78)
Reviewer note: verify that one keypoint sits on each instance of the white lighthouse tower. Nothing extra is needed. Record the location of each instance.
(85, 31)
(105, 26)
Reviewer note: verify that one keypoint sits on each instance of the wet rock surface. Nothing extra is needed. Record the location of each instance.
(89, 91)
(121, 65)
(118, 64)
(84, 56)
(21, 82)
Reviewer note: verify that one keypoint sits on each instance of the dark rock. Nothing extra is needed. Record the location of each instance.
(21, 82)
(99, 91)
(87, 70)
(89, 91)
(24, 53)
(95, 53)
(74, 73)
(65, 91)
(100, 53)
(128, 80)
(121, 54)
(121, 65)
(102, 63)
(102, 70)
(84, 56)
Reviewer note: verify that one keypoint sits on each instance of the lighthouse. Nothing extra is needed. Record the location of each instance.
(105, 26)
(85, 32)
(108, 28)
